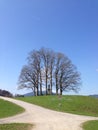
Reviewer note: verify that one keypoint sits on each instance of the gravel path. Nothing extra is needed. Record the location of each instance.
(44, 119)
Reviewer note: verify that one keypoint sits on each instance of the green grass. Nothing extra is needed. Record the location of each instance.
(82, 105)
(90, 125)
(16, 126)
(9, 109)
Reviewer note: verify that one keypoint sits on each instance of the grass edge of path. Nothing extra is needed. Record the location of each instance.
(90, 125)
(9, 109)
(16, 126)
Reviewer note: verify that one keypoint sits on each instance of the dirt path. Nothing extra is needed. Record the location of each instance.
(45, 119)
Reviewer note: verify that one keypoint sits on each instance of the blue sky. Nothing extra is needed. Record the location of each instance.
(67, 26)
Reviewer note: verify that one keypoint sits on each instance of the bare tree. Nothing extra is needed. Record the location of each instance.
(31, 76)
(66, 74)
(71, 79)
(27, 79)
(34, 60)
(45, 55)
(51, 68)
(54, 70)
(58, 59)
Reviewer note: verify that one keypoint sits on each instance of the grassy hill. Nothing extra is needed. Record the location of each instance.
(82, 105)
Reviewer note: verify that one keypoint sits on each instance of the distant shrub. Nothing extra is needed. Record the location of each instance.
(5, 93)
(19, 95)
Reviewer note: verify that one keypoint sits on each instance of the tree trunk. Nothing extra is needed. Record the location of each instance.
(51, 87)
(56, 80)
(56, 88)
(61, 90)
(46, 82)
(34, 91)
(46, 86)
(40, 84)
(51, 83)
(37, 92)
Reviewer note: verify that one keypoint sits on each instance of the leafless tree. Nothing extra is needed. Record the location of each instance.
(46, 58)
(58, 59)
(52, 69)
(27, 79)
(34, 60)
(66, 75)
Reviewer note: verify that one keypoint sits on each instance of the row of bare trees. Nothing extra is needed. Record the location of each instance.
(50, 71)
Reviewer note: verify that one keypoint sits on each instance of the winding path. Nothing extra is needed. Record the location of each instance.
(44, 119)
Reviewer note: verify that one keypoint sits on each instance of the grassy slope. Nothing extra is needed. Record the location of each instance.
(16, 126)
(81, 105)
(9, 109)
(90, 125)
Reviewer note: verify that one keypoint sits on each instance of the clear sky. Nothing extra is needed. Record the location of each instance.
(67, 26)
